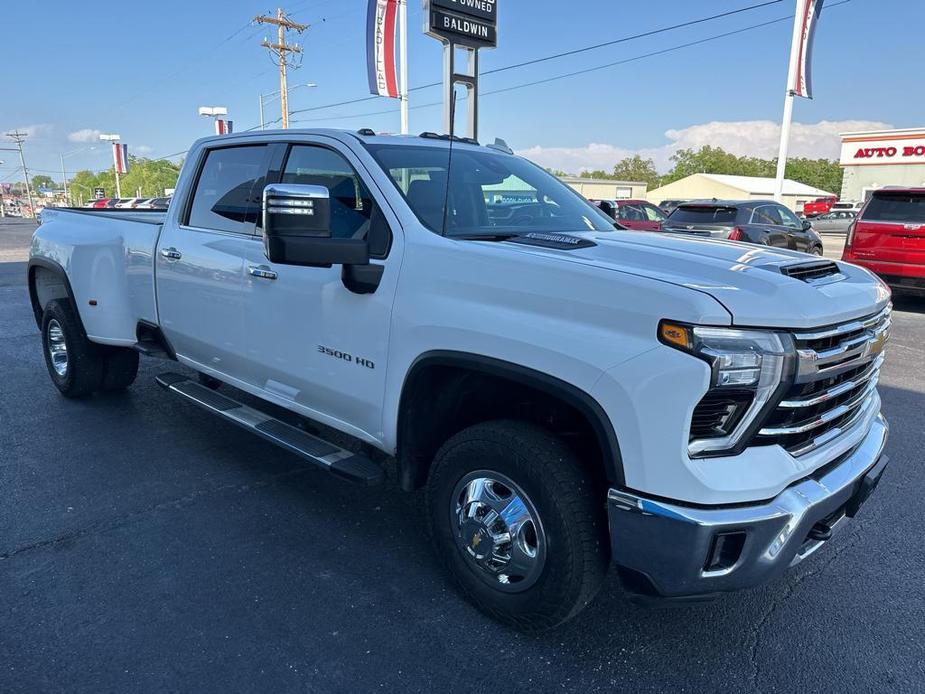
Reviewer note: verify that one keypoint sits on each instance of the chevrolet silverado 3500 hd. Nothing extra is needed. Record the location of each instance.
(700, 413)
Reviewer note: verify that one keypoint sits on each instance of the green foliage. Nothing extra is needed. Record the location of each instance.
(42, 181)
(636, 168)
(820, 173)
(146, 177)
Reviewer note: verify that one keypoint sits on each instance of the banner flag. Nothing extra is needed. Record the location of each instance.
(808, 11)
(381, 29)
(120, 157)
(223, 127)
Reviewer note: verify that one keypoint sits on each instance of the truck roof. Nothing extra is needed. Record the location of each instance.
(365, 136)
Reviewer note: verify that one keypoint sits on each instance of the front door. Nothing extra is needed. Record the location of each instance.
(312, 344)
(800, 239)
(200, 266)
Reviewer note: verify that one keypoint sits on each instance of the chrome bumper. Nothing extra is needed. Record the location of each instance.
(675, 551)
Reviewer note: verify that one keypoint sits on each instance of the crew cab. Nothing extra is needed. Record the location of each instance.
(888, 238)
(701, 414)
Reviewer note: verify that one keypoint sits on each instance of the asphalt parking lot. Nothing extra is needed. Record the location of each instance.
(145, 546)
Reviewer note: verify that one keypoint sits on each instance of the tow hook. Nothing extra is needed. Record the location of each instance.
(821, 532)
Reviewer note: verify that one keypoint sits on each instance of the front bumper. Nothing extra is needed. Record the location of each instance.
(674, 551)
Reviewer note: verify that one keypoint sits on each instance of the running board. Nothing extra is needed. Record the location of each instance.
(334, 459)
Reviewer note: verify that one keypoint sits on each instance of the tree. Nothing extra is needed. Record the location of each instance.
(636, 168)
(819, 173)
(42, 181)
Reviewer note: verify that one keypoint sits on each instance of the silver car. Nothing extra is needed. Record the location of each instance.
(834, 222)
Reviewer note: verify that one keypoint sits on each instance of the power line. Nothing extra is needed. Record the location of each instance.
(576, 51)
(576, 73)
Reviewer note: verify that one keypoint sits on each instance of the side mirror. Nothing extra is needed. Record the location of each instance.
(297, 229)
(807, 225)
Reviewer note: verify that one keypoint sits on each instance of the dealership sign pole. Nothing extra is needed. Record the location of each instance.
(799, 77)
(470, 25)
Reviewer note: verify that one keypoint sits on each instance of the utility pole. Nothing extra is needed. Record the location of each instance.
(19, 138)
(282, 49)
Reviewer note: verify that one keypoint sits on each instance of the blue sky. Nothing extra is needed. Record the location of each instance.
(142, 69)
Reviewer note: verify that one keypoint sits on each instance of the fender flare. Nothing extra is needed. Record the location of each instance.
(58, 270)
(573, 396)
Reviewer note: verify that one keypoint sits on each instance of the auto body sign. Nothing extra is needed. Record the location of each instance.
(471, 23)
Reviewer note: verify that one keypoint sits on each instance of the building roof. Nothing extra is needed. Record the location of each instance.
(759, 185)
(611, 181)
(873, 134)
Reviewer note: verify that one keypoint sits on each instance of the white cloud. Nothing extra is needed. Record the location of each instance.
(36, 130)
(85, 135)
(743, 138)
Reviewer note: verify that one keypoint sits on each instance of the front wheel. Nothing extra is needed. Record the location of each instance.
(519, 524)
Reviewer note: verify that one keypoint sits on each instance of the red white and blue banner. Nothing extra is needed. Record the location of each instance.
(381, 29)
(224, 127)
(120, 157)
(808, 12)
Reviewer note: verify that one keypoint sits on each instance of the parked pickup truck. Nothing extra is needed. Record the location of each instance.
(702, 414)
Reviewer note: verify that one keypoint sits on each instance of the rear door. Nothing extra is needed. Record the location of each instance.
(200, 266)
(892, 228)
(767, 218)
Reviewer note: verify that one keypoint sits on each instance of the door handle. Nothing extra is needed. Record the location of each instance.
(262, 271)
(171, 253)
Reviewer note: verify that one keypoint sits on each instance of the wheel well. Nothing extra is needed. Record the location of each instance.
(444, 395)
(46, 284)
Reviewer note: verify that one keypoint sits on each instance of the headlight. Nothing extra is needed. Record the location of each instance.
(747, 369)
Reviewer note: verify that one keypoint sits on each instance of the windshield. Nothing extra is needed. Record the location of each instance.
(900, 208)
(484, 193)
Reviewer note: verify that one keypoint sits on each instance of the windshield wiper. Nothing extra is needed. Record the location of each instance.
(497, 236)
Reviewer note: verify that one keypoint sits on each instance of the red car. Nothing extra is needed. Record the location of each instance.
(637, 215)
(819, 206)
(888, 238)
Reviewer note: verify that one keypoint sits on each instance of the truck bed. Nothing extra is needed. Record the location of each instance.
(108, 255)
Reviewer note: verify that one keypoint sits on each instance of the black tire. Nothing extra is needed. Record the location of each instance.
(816, 250)
(120, 370)
(85, 361)
(571, 512)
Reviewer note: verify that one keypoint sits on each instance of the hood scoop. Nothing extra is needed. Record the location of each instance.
(816, 272)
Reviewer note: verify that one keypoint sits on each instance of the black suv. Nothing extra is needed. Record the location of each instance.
(764, 222)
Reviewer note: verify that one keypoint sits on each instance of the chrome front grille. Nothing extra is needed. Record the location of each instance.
(834, 387)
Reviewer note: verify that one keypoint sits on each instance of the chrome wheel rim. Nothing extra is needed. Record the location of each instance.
(57, 348)
(498, 531)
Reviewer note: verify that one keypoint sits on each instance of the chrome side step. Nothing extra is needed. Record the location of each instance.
(334, 459)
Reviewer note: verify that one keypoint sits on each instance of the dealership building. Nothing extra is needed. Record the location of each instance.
(880, 158)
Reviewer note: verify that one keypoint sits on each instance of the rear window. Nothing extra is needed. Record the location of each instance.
(704, 215)
(901, 208)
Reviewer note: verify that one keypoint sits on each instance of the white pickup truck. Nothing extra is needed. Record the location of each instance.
(702, 414)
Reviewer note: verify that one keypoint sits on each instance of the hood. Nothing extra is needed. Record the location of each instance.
(750, 281)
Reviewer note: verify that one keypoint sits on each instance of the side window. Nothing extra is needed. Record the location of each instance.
(228, 193)
(788, 219)
(762, 215)
(351, 202)
(653, 213)
(631, 213)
